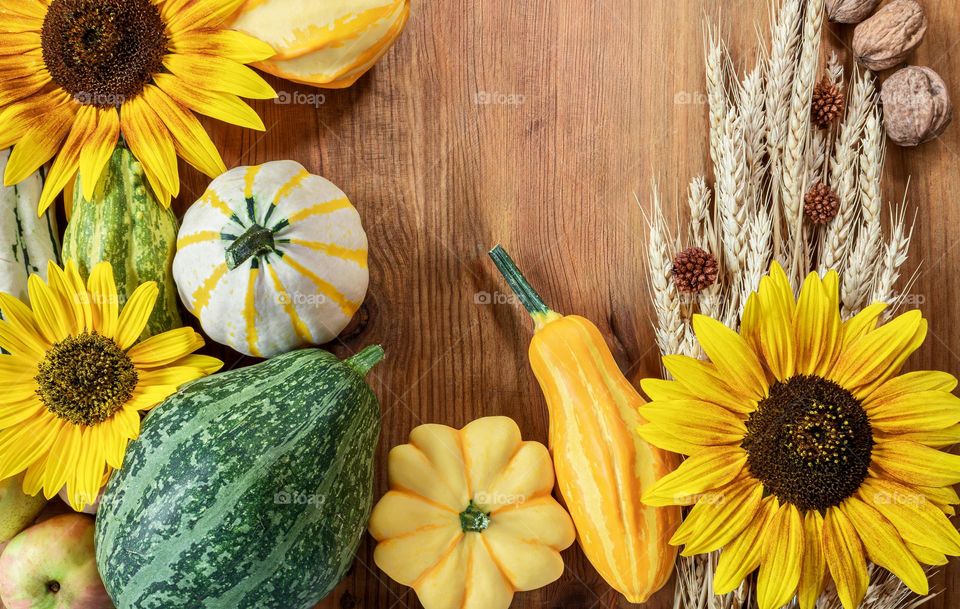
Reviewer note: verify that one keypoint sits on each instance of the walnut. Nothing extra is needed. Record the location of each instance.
(884, 40)
(850, 11)
(916, 106)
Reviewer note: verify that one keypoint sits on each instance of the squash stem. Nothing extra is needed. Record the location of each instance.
(366, 359)
(531, 301)
(256, 241)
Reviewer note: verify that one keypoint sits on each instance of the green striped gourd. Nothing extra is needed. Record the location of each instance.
(125, 225)
(249, 489)
(27, 242)
(272, 258)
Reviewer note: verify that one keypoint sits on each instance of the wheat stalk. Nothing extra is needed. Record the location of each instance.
(752, 119)
(716, 89)
(885, 591)
(859, 270)
(666, 301)
(701, 223)
(843, 172)
(798, 133)
(894, 255)
(785, 41)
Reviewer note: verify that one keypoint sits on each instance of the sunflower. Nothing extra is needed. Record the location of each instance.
(808, 451)
(76, 378)
(76, 74)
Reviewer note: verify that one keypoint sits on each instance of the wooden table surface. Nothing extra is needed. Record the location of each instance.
(533, 124)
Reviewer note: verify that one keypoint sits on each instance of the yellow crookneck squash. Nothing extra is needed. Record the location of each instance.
(469, 518)
(602, 465)
(327, 44)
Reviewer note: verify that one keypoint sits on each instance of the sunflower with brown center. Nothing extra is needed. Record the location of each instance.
(76, 74)
(76, 377)
(808, 451)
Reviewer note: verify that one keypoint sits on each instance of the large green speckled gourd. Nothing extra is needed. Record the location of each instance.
(124, 224)
(249, 489)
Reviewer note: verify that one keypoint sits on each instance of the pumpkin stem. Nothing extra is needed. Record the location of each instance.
(257, 241)
(473, 519)
(366, 359)
(529, 298)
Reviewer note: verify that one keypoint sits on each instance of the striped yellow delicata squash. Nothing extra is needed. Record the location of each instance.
(271, 258)
(602, 465)
(326, 44)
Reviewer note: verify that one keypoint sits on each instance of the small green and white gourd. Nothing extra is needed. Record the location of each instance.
(27, 242)
(272, 258)
(125, 225)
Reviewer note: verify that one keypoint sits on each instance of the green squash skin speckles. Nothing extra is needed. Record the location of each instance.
(249, 489)
(125, 225)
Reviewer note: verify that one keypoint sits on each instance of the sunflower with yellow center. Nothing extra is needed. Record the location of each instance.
(76, 377)
(76, 74)
(808, 451)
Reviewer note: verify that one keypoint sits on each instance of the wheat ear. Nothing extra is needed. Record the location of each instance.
(843, 172)
(666, 301)
(894, 255)
(859, 270)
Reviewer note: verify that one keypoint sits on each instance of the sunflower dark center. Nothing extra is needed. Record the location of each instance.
(809, 442)
(85, 379)
(103, 52)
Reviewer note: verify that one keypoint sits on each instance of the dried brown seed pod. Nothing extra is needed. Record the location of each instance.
(916, 106)
(694, 270)
(828, 104)
(821, 204)
(884, 40)
(850, 11)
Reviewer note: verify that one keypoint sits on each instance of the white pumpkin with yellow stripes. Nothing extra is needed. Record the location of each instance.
(272, 258)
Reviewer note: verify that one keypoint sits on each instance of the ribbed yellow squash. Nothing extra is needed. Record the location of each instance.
(469, 518)
(271, 258)
(602, 465)
(327, 44)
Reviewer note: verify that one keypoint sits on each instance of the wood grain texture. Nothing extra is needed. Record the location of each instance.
(533, 124)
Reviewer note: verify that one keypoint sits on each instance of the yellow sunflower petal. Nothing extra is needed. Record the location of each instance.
(90, 468)
(860, 324)
(875, 357)
(941, 496)
(150, 141)
(817, 324)
(136, 313)
(662, 438)
(159, 191)
(660, 389)
(81, 296)
(17, 313)
(750, 323)
(776, 323)
(147, 397)
(222, 106)
(218, 74)
(38, 145)
(782, 558)
(19, 116)
(189, 137)
(61, 462)
(731, 355)
(165, 348)
(17, 43)
(845, 558)
(13, 413)
(917, 520)
(911, 382)
(68, 161)
(104, 299)
(915, 463)
(127, 422)
(171, 375)
(204, 363)
(19, 342)
(711, 469)
(221, 43)
(32, 10)
(23, 444)
(884, 546)
(813, 572)
(705, 382)
(719, 517)
(33, 479)
(743, 554)
(915, 412)
(202, 14)
(927, 556)
(100, 144)
(53, 321)
(20, 86)
(698, 422)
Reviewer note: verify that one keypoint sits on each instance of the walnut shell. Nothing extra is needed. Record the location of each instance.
(916, 106)
(884, 40)
(850, 11)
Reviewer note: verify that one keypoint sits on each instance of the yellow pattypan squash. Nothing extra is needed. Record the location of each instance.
(469, 519)
(326, 44)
